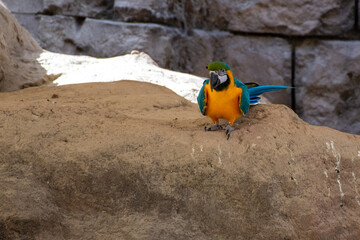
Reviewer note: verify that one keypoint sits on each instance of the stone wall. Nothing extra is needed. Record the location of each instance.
(313, 45)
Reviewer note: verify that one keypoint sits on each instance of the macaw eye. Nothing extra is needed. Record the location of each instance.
(222, 72)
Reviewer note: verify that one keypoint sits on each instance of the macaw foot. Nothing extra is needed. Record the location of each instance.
(214, 127)
(228, 130)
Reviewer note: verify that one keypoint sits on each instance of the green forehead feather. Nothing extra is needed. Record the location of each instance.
(216, 66)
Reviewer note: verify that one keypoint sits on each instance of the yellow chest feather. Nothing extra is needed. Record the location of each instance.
(223, 104)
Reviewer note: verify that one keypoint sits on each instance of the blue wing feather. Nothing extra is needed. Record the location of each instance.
(201, 99)
(245, 97)
(254, 92)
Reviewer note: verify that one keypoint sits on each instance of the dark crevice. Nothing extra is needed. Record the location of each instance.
(24, 13)
(79, 22)
(347, 36)
(356, 15)
(63, 15)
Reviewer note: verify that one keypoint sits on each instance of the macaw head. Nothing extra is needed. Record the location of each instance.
(218, 75)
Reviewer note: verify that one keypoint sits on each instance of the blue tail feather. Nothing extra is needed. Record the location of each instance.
(254, 92)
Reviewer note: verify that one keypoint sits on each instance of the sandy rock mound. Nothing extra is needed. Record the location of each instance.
(18, 55)
(129, 160)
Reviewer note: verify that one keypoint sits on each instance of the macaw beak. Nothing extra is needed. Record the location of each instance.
(214, 80)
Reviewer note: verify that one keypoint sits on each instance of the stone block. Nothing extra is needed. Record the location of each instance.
(302, 17)
(167, 46)
(106, 38)
(53, 33)
(84, 8)
(293, 17)
(328, 84)
(24, 6)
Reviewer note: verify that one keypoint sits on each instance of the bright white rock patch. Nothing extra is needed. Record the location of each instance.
(137, 66)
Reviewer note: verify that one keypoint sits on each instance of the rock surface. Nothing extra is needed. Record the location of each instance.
(324, 96)
(330, 17)
(263, 16)
(129, 160)
(83, 8)
(303, 17)
(18, 54)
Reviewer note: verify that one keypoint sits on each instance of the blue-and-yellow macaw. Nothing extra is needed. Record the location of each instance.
(223, 96)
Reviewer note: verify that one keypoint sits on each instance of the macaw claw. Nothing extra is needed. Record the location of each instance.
(228, 130)
(214, 127)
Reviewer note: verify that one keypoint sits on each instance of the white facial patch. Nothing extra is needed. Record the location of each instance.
(222, 78)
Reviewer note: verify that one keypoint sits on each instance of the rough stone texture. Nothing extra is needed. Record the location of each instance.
(84, 8)
(182, 14)
(328, 17)
(328, 84)
(120, 37)
(56, 33)
(18, 54)
(293, 17)
(24, 6)
(81, 162)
